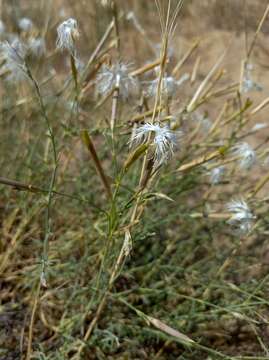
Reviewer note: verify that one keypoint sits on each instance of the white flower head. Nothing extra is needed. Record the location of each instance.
(37, 47)
(216, 175)
(25, 24)
(165, 141)
(2, 28)
(247, 83)
(246, 154)
(14, 55)
(168, 87)
(117, 75)
(241, 216)
(67, 33)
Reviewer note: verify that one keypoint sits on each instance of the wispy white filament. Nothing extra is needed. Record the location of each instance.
(241, 216)
(248, 84)
(216, 175)
(168, 87)
(25, 24)
(37, 46)
(116, 76)
(246, 154)
(165, 141)
(14, 55)
(67, 33)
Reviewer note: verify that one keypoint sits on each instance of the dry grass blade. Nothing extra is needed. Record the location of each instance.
(89, 144)
(169, 330)
(204, 83)
(201, 160)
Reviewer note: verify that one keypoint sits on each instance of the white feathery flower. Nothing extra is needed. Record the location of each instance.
(37, 47)
(2, 28)
(117, 75)
(25, 24)
(216, 175)
(14, 56)
(241, 216)
(168, 87)
(67, 33)
(246, 154)
(247, 83)
(165, 140)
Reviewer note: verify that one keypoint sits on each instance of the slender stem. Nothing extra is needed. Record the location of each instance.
(88, 142)
(48, 209)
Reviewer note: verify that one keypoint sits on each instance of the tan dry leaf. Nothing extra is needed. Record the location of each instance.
(170, 331)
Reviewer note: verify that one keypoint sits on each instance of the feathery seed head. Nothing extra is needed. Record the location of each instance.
(25, 24)
(37, 47)
(241, 216)
(216, 175)
(165, 140)
(14, 55)
(117, 75)
(168, 87)
(67, 33)
(247, 83)
(246, 154)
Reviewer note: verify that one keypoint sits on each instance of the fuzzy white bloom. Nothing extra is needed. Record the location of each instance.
(37, 47)
(117, 75)
(14, 56)
(247, 83)
(246, 154)
(67, 33)
(2, 28)
(165, 140)
(241, 216)
(25, 24)
(216, 175)
(168, 87)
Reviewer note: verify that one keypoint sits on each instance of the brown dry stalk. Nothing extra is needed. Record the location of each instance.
(199, 161)
(90, 146)
(185, 58)
(30, 338)
(266, 12)
(98, 48)
(169, 330)
(264, 180)
(204, 83)
(143, 116)
(146, 68)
